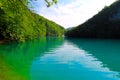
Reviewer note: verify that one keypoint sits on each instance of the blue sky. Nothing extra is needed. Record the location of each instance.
(70, 13)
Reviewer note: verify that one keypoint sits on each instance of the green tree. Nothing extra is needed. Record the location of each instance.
(49, 3)
(18, 23)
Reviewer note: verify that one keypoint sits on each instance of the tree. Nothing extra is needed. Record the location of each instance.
(49, 3)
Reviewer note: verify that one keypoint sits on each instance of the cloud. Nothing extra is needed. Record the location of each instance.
(72, 12)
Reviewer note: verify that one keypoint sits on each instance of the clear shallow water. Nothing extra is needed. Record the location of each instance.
(61, 59)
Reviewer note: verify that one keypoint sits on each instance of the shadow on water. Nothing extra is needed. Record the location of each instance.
(105, 50)
(16, 58)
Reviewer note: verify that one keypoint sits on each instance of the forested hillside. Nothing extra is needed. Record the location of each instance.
(105, 24)
(18, 23)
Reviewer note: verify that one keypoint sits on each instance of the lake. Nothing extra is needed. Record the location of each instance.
(54, 58)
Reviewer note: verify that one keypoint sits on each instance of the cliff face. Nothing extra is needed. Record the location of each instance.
(18, 23)
(106, 24)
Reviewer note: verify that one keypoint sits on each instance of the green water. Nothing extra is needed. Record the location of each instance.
(60, 59)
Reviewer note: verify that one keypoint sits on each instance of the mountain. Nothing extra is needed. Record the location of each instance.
(19, 23)
(105, 24)
(69, 28)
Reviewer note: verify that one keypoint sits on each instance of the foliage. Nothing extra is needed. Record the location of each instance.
(18, 23)
(51, 3)
(102, 25)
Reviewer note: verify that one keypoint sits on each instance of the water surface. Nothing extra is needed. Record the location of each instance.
(61, 59)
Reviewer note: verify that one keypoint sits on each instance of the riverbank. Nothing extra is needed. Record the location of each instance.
(4, 41)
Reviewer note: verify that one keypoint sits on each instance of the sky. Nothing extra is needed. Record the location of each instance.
(70, 13)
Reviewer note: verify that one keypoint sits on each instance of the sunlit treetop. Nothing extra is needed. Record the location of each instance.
(49, 2)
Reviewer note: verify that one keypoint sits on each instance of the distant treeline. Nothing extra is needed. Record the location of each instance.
(105, 24)
(19, 23)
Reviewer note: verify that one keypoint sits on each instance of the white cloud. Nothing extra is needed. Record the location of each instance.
(73, 13)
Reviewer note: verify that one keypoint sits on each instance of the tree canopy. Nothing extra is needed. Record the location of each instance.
(49, 3)
(18, 23)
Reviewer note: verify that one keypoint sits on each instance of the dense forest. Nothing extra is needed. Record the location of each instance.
(19, 23)
(105, 24)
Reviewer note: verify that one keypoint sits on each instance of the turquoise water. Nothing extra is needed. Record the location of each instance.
(61, 59)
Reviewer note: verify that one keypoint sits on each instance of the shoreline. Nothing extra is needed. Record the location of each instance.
(4, 41)
(1, 41)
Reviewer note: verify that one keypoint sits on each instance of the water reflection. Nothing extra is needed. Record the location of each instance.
(59, 59)
(75, 60)
(107, 51)
(16, 58)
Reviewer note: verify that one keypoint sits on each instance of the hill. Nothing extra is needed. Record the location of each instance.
(19, 23)
(105, 24)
